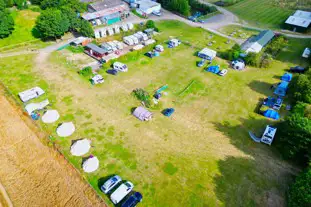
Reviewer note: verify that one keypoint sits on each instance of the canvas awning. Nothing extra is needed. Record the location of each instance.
(66, 129)
(80, 147)
(91, 164)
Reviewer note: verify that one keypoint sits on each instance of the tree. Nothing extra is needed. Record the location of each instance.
(20, 4)
(36, 2)
(71, 15)
(276, 45)
(2, 5)
(300, 192)
(300, 87)
(6, 24)
(45, 4)
(253, 59)
(294, 137)
(51, 23)
(86, 29)
(150, 24)
(9, 3)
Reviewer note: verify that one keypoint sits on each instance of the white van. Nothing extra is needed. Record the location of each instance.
(122, 191)
(120, 67)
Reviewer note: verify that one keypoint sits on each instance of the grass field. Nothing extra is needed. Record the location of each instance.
(261, 13)
(202, 156)
(238, 31)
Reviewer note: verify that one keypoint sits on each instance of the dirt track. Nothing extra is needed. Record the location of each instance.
(34, 174)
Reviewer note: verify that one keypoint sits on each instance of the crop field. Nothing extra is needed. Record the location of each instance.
(201, 156)
(261, 13)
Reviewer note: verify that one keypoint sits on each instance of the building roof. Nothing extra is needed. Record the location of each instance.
(146, 4)
(300, 18)
(256, 43)
(106, 4)
(95, 48)
(264, 37)
(208, 52)
(98, 14)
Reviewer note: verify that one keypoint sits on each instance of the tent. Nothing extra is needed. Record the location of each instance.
(238, 64)
(281, 88)
(36, 106)
(50, 116)
(207, 53)
(287, 77)
(271, 114)
(66, 129)
(80, 147)
(213, 69)
(91, 164)
(168, 112)
(142, 114)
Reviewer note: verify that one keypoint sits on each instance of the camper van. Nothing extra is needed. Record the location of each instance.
(128, 41)
(122, 191)
(174, 42)
(144, 36)
(120, 67)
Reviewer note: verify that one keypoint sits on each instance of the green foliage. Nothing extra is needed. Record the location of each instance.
(85, 29)
(137, 14)
(179, 6)
(142, 95)
(35, 2)
(300, 88)
(71, 15)
(150, 24)
(51, 23)
(204, 8)
(6, 24)
(294, 135)
(253, 59)
(45, 4)
(76, 5)
(2, 5)
(233, 53)
(77, 49)
(276, 45)
(266, 60)
(86, 72)
(300, 192)
(21, 4)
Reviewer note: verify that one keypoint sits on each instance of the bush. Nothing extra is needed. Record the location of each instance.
(300, 192)
(86, 72)
(203, 8)
(6, 24)
(150, 24)
(253, 59)
(142, 95)
(276, 45)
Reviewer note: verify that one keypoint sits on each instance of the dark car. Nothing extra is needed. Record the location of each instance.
(297, 69)
(112, 72)
(132, 200)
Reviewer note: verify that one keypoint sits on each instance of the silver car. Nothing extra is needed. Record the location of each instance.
(110, 183)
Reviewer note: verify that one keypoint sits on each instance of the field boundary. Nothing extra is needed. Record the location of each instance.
(36, 128)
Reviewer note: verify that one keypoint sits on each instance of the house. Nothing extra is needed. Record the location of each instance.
(256, 43)
(106, 12)
(147, 7)
(142, 114)
(300, 21)
(95, 51)
(207, 53)
(281, 88)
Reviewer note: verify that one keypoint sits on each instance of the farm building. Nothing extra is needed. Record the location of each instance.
(95, 51)
(106, 12)
(300, 21)
(207, 54)
(256, 43)
(80, 41)
(142, 114)
(146, 7)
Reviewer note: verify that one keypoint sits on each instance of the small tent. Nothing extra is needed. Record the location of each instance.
(271, 114)
(142, 114)
(50, 116)
(213, 69)
(238, 64)
(287, 77)
(80, 147)
(65, 129)
(91, 164)
(281, 88)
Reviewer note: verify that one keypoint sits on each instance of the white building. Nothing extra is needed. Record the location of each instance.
(146, 7)
(300, 21)
(256, 43)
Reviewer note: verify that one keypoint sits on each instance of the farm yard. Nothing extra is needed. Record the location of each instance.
(202, 156)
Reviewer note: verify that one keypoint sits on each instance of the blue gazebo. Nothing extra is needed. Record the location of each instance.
(281, 88)
(287, 77)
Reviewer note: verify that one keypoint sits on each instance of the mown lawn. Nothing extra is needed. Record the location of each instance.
(238, 31)
(202, 156)
(261, 13)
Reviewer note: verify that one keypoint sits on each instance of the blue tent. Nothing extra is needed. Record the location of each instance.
(168, 112)
(287, 77)
(213, 69)
(271, 114)
(281, 88)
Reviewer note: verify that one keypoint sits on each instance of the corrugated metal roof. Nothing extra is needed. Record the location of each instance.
(95, 48)
(300, 18)
(106, 4)
(264, 37)
(95, 15)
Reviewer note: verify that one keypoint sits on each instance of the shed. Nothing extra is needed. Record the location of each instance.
(142, 114)
(207, 53)
(95, 51)
(213, 69)
(281, 88)
(287, 77)
(271, 114)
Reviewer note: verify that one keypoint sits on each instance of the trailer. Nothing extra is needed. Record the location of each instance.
(110, 31)
(103, 32)
(130, 26)
(129, 41)
(124, 27)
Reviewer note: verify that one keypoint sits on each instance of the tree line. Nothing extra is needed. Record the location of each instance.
(60, 16)
(6, 20)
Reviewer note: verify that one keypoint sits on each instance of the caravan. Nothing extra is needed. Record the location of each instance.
(97, 35)
(124, 28)
(139, 37)
(110, 31)
(129, 41)
(130, 26)
(135, 39)
(117, 29)
(103, 32)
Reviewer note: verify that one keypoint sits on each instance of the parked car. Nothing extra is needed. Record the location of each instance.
(157, 13)
(152, 54)
(159, 48)
(201, 63)
(122, 191)
(120, 67)
(110, 184)
(97, 79)
(223, 72)
(112, 72)
(297, 69)
(132, 200)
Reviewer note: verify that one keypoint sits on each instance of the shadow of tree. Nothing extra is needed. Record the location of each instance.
(257, 179)
(261, 87)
